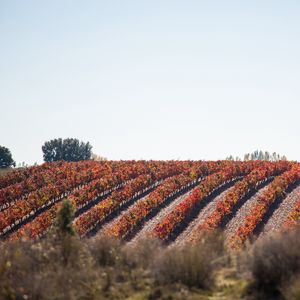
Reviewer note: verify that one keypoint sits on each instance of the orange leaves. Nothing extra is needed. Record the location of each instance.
(185, 207)
(262, 171)
(71, 176)
(225, 206)
(143, 208)
(43, 176)
(97, 213)
(116, 174)
(84, 182)
(276, 189)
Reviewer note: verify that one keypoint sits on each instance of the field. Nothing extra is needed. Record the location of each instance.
(206, 230)
(174, 201)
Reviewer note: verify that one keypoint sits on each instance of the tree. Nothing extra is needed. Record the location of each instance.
(6, 160)
(65, 216)
(68, 149)
(63, 233)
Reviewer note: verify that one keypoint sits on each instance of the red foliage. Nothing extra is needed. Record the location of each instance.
(43, 176)
(52, 192)
(251, 181)
(84, 195)
(293, 219)
(143, 208)
(205, 188)
(276, 189)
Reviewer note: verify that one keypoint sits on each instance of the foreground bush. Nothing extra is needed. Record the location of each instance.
(57, 267)
(193, 265)
(106, 251)
(42, 271)
(61, 266)
(292, 290)
(143, 254)
(273, 263)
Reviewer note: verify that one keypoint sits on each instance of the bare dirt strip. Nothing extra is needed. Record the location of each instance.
(205, 212)
(238, 219)
(280, 214)
(150, 225)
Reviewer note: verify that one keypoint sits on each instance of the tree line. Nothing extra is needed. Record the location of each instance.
(72, 149)
(259, 155)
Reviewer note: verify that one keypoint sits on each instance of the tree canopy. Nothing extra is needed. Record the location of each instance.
(6, 160)
(69, 149)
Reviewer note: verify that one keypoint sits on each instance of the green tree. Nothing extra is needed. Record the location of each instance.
(68, 149)
(6, 160)
(65, 216)
(63, 234)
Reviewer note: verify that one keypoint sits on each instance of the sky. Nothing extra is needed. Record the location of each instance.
(159, 79)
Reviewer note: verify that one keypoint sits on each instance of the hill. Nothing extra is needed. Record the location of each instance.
(174, 201)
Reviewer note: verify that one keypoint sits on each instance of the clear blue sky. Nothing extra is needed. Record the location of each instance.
(151, 79)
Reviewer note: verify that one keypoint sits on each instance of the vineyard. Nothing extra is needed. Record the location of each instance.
(174, 201)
